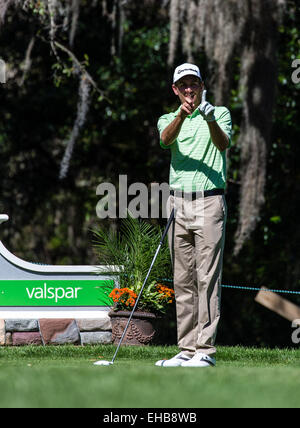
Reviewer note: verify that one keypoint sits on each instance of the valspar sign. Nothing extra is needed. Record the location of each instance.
(56, 292)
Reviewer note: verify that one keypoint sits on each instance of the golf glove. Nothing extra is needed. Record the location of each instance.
(206, 109)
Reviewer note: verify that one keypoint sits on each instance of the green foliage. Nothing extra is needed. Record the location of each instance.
(132, 249)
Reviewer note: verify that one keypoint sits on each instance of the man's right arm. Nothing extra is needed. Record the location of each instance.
(171, 132)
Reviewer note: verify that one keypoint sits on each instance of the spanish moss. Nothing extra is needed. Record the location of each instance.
(82, 110)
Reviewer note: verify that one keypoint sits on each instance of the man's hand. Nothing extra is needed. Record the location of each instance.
(171, 132)
(187, 107)
(206, 110)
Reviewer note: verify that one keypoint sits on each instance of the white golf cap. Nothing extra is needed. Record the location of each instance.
(186, 70)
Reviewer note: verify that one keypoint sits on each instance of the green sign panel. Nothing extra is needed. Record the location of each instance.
(75, 292)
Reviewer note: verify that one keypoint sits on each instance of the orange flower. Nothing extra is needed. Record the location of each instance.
(131, 301)
(123, 295)
(165, 292)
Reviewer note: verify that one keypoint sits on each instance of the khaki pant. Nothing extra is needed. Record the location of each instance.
(196, 240)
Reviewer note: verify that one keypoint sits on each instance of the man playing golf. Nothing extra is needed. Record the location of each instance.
(198, 135)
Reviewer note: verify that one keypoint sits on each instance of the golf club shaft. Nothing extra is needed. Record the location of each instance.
(171, 218)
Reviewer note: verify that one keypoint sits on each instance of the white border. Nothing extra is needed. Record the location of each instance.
(40, 268)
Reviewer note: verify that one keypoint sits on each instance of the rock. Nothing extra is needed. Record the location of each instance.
(2, 332)
(97, 324)
(8, 339)
(26, 338)
(59, 331)
(96, 338)
(21, 325)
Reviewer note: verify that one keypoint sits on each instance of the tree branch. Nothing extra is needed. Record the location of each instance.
(82, 70)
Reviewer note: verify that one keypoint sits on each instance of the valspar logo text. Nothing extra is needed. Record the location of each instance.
(53, 293)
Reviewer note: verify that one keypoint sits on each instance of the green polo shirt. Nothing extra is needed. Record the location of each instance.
(196, 163)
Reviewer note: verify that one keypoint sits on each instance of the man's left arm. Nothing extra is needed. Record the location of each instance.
(220, 128)
(218, 136)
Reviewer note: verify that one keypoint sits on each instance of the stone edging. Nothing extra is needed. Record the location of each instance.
(58, 331)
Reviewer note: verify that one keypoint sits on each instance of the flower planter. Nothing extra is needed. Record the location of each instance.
(141, 329)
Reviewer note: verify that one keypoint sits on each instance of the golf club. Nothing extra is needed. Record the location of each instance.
(108, 363)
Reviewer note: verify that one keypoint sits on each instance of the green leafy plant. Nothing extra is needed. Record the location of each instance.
(131, 249)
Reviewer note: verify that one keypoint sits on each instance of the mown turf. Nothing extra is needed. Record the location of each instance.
(66, 377)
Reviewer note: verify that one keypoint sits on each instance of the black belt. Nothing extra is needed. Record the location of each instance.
(213, 192)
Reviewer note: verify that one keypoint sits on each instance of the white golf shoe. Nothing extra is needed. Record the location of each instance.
(176, 361)
(200, 360)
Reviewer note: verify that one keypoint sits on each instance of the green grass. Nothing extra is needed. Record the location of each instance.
(64, 376)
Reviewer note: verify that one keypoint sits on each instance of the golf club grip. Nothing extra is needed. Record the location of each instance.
(171, 218)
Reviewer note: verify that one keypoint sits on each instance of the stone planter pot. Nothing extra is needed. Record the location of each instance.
(141, 329)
